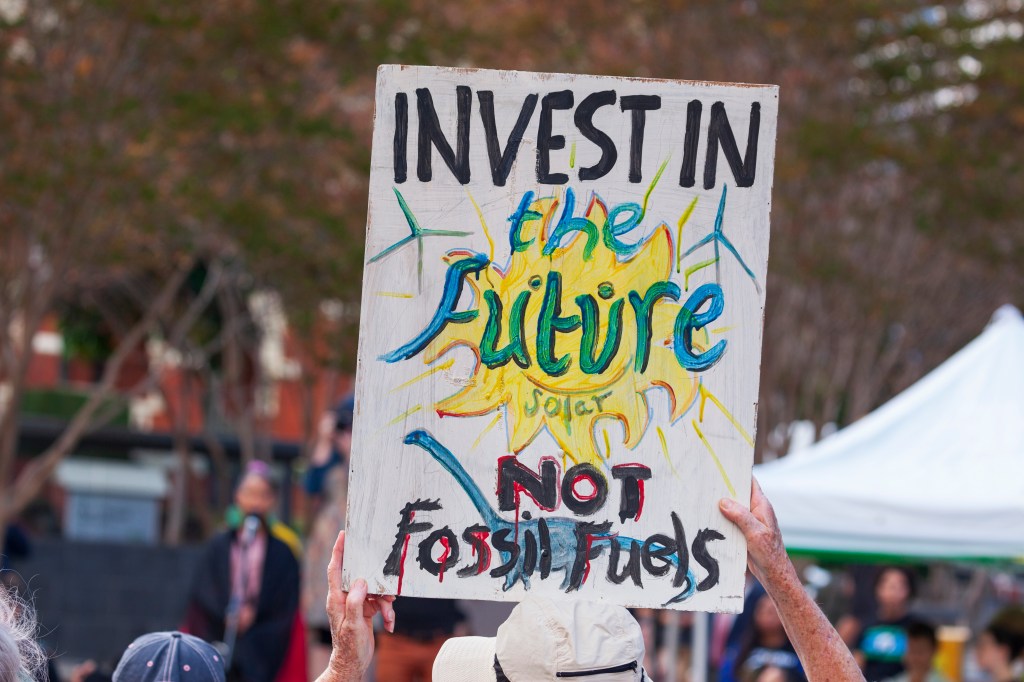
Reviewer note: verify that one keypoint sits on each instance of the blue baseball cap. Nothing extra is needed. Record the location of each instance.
(169, 657)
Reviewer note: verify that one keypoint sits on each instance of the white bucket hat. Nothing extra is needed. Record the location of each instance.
(547, 640)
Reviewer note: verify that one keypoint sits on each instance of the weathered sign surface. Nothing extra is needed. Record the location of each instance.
(561, 333)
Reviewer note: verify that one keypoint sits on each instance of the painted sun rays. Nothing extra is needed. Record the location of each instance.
(501, 409)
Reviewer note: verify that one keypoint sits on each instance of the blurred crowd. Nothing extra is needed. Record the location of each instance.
(259, 597)
(888, 639)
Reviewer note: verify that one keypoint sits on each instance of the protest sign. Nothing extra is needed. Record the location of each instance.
(560, 336)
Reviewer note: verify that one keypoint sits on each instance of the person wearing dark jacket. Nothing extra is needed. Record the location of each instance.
(246, 588)
(763, 651)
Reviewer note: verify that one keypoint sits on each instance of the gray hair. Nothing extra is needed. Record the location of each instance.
(20, 656)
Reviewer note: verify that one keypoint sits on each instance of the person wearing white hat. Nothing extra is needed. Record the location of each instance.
(550, 640)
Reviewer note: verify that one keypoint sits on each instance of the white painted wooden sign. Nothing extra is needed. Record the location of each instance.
(561, 335)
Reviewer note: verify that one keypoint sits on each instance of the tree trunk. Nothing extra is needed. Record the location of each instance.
(30, 481)
(221, 476)
(178, 503)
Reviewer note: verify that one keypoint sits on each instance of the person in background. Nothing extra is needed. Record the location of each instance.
(326, 483)
(918, 661)
(764, 650)
(330, 451)
(1000, 645)
(421, 629)
(857, 585)
(295, 667)
(727, 627)
(89, 671)
(743, 622)
(246, 587)
(883, 640)
(16, 545)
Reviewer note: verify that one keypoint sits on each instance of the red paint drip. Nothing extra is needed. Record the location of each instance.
(590, 542)
(640, 508)
(401, 566)
(517, 516)
(586, 571)
(444, 558)
(485, 552)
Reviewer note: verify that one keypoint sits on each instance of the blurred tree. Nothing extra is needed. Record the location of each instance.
(144, 140)
(127, 159)
(140, 138)
(897, 225)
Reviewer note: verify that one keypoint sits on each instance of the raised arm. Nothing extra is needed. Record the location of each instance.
(822, 651)
(351, 615)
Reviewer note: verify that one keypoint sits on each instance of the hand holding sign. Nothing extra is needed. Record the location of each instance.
(822, 651)
(765, 552)
(351, 614)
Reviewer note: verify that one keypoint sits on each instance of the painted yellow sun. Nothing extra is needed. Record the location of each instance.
(570, 334)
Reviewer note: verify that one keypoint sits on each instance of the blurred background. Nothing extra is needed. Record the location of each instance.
(182, 208)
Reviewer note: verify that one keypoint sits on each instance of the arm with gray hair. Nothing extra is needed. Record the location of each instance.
(822, 651)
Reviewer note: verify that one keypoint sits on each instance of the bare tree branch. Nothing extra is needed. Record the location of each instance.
(35, 474)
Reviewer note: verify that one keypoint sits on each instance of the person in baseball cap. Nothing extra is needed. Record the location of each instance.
(548, 640)
(169, 657)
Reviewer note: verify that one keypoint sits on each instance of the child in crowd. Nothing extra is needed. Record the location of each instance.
(763, 652)
(1000, 645)
(918, 660)
(883, 641)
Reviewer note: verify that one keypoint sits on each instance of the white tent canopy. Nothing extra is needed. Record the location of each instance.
(937, 472)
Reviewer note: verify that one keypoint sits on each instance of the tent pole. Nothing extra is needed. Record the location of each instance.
(699, 647)
(671, 643)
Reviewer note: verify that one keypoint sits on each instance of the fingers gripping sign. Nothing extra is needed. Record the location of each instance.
(351, 614)
(822, 651)
(765, 550)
